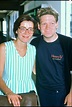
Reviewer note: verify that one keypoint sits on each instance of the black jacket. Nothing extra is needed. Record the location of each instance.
(66, 44)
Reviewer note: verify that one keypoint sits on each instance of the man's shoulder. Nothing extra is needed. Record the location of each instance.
(35, 41)
(65, 40)
(36, 38)
(64, 37)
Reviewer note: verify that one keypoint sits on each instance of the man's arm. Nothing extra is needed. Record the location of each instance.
(68, 99)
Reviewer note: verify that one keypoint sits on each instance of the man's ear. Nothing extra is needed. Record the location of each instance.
(38, 26)
(56, 25)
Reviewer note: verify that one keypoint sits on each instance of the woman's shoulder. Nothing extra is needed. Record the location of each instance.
(8, 42)
(5, 44)
(2, 46)
(31, 46)
(2, 50)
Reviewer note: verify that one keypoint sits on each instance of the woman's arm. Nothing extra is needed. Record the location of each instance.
(34, 68)
(3, 86)
(12, 98)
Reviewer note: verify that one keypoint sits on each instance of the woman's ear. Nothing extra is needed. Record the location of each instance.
(16, 32)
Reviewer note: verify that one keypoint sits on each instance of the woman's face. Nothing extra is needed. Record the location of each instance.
(25, 31)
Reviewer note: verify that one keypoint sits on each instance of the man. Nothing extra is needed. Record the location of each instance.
(53, 61)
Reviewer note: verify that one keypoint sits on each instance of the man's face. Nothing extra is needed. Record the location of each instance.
(48, 26)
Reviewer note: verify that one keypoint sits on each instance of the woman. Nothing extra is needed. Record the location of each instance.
(17, 59)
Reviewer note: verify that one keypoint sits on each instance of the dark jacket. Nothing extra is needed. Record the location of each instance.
(66, 44)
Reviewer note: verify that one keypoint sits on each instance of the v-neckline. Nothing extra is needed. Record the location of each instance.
(18, 52)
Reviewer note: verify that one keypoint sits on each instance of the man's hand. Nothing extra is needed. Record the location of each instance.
(68, 99)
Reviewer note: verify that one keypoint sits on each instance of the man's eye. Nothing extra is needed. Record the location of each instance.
(52, 23)
(43, 23)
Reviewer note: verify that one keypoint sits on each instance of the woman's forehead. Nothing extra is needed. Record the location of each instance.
(27, 23)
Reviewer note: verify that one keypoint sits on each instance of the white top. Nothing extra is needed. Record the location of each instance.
(18, 70)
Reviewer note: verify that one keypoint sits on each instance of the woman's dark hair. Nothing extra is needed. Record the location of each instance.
(22, 18)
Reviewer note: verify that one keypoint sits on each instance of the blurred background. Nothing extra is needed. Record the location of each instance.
(11, 9)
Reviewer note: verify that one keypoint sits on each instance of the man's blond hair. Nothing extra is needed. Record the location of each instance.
(45, 11)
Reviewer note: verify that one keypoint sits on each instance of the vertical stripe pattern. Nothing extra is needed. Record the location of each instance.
(18, 70)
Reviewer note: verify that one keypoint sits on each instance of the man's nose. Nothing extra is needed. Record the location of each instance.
(48, 25)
